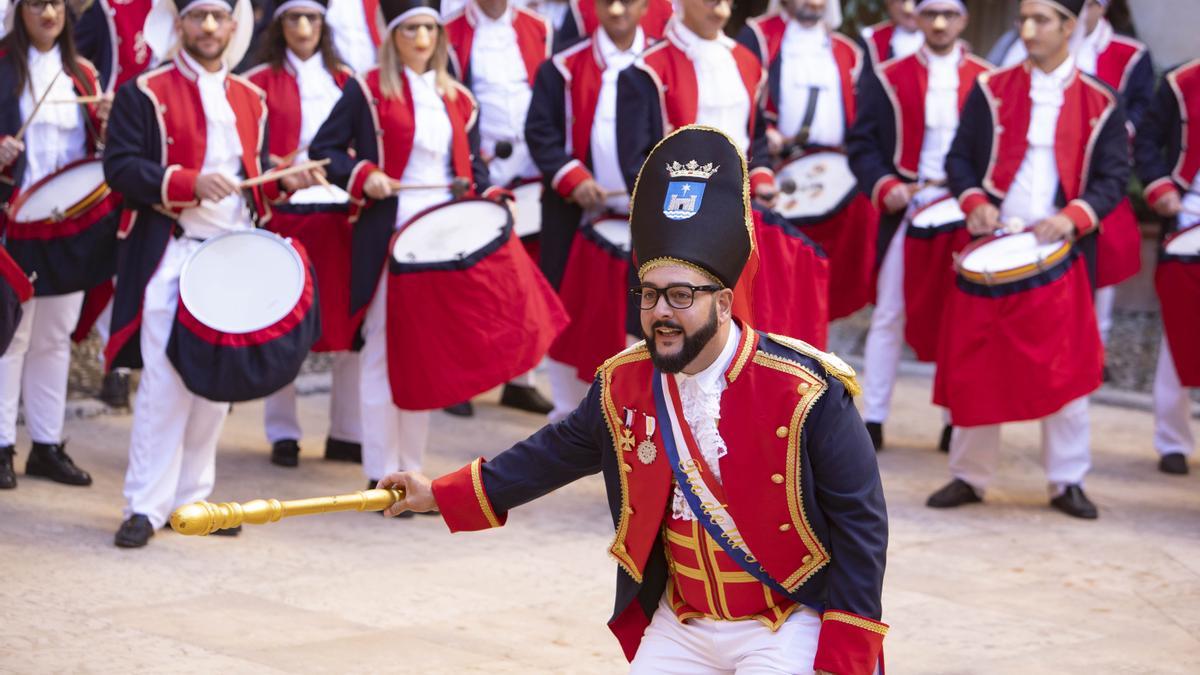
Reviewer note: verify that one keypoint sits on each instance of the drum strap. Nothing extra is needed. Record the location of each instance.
(810, 113)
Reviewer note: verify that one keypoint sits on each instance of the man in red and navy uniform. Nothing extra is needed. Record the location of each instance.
(898, 36)
(813, 74)
(109, 34)
(584, 17)
(1040, 147)
(758, 545)
(1167, 149)
(908, 115)
(179, 140)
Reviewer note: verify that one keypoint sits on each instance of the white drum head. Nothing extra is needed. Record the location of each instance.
(60, 192)
(320, 194)
(242, 281)
(615, 231)
(822, 181)
(450, 232)
(1186, 242)
(529, 209)
(944, 212)
(1008, 253)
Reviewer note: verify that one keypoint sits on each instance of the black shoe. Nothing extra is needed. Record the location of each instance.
(1174, 463)
(285, 453)
(944, 441)
(134, 532)
(875, 431)
(525, 398)
(51, 461)
(229, 532)
(464, 409)
(955, 493)
(114, 390)
(343, 451)
(1074, 503)
(8, 477)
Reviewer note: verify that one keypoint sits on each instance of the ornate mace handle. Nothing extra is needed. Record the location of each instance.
(203, 518)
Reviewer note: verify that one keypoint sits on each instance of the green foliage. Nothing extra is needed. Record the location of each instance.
(860, 13)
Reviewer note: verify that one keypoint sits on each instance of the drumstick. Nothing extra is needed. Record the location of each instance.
(324, 183)
(40, 101)
(276, 174)
(80, 99)
(286, 159)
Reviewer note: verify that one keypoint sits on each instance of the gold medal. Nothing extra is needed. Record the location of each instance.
(647, 451)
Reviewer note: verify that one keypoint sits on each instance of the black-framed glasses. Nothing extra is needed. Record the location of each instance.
(293, 18)
(39, 6)
(410, 30)
(679, 296)
(198, 16)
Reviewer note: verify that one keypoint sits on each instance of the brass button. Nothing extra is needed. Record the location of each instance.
(806, 559)
(626, 468)
(777, 478)
(784, 527)
(781, 432)
(802, 387)
(170, 141)
(629, 510)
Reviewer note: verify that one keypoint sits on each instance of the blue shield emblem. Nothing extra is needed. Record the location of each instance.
(683, 199)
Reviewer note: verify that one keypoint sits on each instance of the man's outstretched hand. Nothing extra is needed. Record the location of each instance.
(418, 492)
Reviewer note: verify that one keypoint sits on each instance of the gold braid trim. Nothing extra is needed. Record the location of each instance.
(832, 363)
(484, 504)
(667, 261)
(856, 621)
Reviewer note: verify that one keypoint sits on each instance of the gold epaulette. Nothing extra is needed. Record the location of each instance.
(635, 347)
(832, 363)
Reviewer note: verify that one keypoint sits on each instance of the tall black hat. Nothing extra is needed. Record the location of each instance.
(182, 6)
(395, 11)
(1071, 8)
(691, 206)
(320, 6)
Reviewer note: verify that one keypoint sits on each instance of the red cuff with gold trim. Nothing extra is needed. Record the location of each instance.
(463, 502)
(179, 190)
(1158, 189)
(358, 178)
(849, 644)
(882, 187)
(972, 199)
(569, 177)
(760, 179)
(1082, 215)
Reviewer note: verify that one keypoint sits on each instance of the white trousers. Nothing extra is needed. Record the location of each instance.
(173, 444)
(36, 366)
(1172, 408)
(885, 337)
(705, 646)
(1066, 455)
(345, 413)
(1104, 311)
(393, 439)
(566, 389)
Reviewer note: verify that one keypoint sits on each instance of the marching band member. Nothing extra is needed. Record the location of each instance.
(406, 120)
(1168, 160)
(38, 60)
(572, 135)
(303, 78)
(355, 35)
(813, 74)
(179, 165)
(585, 16)
(110, 35)
(719, 568)
(1039, 145)
(495, 50)
(896, 37)
(907, 118)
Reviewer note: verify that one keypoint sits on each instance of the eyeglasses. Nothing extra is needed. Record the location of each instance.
(293, 18)
(199, 16)
(39, 6)
(679, 296)
(410, 30)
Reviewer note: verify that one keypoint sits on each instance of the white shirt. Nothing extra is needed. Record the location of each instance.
(723, 101)
(429, 162)
(57, 135)
(605, 167)
(700, 395)
(1031, 196)
(318, 94)
(808, 63)
(905, 42)
(222, 154)
(1087, 49)
(351, 34)
(941, 114)
(501, 86)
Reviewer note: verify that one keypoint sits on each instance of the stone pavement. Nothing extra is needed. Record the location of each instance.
(1005, 587)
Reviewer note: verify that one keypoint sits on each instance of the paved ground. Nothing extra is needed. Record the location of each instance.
(1007, 587)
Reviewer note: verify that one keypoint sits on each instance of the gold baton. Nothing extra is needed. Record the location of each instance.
(203, 518)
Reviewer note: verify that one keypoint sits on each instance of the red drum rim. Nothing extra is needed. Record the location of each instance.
(11, 272)
(91, 199)
(1011, 275)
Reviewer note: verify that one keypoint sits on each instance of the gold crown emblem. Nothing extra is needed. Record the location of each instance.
(691, 170)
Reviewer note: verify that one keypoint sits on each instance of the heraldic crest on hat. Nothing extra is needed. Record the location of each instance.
(684, 196)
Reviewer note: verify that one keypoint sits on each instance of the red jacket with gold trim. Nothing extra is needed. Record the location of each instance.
(154, 154)
(284, 115)
(659, 94)
(534, 39)
(801, 458)
(1091, 145)
(109, 34)
(1167, 146)
(877, 41)
(582, 21)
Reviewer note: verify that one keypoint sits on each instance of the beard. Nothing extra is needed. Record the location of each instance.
(692, 344)
(206, 51)
(806, 15)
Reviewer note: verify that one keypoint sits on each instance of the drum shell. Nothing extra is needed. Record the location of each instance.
(75, 254)
(15, 289)
(1019, 355)
(456, 329)
(324, 230)
(228, 367)
(848, 238)
(928, 280)
(1177, 280)
(1118, 246)
(791, 284)
(594, 292)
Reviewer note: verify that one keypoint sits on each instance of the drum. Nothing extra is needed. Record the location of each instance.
(935, 233)
(1019, 338)
(64, 229)
(791, 284)
(595, 291)
(15, 289)
(319, 219)
(1177, 280)
(814, 187)
(247, 316)
(528, 221)
(467, 308)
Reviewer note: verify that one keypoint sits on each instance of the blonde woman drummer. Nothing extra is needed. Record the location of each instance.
(39, 61)
(426, 135)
